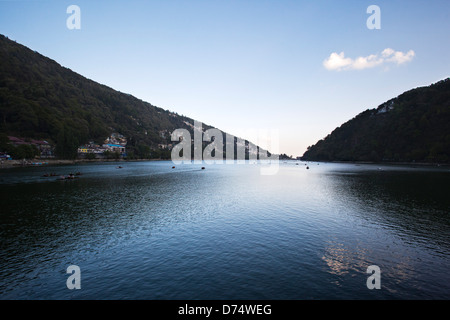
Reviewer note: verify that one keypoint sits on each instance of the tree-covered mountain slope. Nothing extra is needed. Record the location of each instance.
(41, 99)
(413, 127)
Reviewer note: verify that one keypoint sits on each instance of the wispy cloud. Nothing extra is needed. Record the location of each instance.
(339, 62)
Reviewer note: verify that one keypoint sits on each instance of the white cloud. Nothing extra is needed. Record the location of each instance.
(400, 57)
(339, 62)
(366, 62)
(387, 52)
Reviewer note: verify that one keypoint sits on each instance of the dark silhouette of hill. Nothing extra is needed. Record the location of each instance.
(413, 127)
(41, 99)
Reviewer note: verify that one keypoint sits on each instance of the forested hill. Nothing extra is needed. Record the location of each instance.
(41, 99)
(413, 127)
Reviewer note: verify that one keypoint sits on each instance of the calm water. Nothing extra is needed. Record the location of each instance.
(148, 231)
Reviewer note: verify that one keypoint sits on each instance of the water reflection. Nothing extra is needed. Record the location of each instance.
(402, 224)
(224, 232)
(413, 204)
(341, 259)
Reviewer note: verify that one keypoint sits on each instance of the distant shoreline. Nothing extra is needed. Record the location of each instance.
(7, 164)
(421, 164)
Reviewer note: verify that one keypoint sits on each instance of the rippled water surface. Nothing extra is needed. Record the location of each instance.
(150, 231)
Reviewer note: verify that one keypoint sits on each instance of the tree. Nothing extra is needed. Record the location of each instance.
(66, 143)
(144, 151)
(90, 156)
(25, 151)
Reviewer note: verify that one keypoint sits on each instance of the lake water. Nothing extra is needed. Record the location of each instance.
(150, 231)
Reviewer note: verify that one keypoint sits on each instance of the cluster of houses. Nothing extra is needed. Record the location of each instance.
(165, 134)
(115, 144)
(45, 148)
(165, 146)
(4, 156)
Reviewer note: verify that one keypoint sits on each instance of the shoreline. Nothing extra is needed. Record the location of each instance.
(7, 164)
(419, 164)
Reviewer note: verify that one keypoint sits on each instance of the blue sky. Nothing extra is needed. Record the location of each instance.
(243, 65)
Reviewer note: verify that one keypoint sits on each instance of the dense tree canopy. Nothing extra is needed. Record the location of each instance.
(43, 100)
(415, 126)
